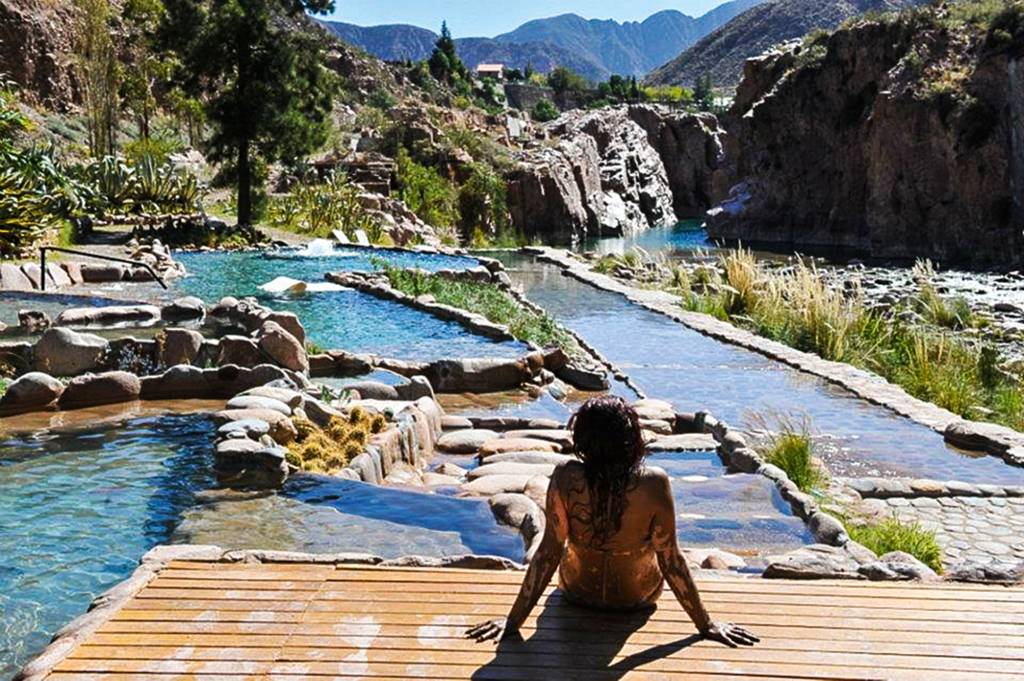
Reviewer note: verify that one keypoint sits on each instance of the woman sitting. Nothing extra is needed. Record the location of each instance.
(611, 530)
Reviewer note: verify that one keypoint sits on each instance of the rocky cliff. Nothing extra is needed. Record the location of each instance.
(900, 137)
(35, 49)
(613, 172)
(721, 53)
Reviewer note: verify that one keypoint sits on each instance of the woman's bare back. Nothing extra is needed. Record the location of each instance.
(621, 570)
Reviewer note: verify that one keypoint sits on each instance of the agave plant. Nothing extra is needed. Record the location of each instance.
(23, 216)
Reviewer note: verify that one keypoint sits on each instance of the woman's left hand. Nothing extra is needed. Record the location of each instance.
(730, 634)
(495, 630)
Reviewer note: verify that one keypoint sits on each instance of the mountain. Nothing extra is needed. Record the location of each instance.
(722, 53)
(596, 48)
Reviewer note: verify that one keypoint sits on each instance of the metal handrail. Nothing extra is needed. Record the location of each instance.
(127, 261)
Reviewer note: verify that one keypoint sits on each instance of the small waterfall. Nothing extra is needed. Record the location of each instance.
(317, 248)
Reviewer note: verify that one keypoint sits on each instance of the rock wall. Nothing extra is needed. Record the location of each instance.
(617, 171)
(894, 139)
(35, 50)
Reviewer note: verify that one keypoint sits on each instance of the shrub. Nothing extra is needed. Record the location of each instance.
(893, 535)
(544, 111)
(432, 197)
(483, 202)
(319, 208)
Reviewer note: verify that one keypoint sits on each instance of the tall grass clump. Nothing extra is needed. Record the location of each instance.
(485, 299)
(915, 343)
(893, 535)
(790, 446)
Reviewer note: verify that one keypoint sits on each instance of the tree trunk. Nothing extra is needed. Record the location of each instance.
(244, 185)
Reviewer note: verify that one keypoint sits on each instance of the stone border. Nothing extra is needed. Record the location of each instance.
(978, 436)
(894, 488)
(109, 603)
(376, 285)
(737, 456)
(474, 322)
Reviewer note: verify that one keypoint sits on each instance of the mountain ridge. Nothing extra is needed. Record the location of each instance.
(597, 48)
(722, 52)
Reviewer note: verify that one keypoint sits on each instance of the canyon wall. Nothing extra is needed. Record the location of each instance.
(898, 138)
(615, 171)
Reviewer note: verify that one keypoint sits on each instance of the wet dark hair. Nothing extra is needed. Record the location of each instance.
(609, 442)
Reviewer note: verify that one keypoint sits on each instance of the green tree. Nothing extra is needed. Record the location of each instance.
(563, 79)
(704, 93)
(444, 63)
(98, 72)
(147, 64)
(261, 76)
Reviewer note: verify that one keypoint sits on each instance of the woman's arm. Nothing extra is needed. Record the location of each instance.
(538, 573)
(677, 573)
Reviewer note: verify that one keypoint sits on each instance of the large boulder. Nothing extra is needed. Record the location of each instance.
(111, 316)
(184, 309)
(250, 464)
(478, 375)
(107, 272)
(465, 441)
(179, 382)
(32, 391)
(180, 346)
(90, 390)
(13, 279)
(240, 350)
(283, 347)
(63, 352)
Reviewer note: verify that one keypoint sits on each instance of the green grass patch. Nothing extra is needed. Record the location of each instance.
(791, 448)
(892, 535)
(488, 300)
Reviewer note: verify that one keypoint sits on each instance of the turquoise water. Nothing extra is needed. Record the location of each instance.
(682, 238)
(696, 372)
(78, 508)
(342, 320)
(77, 511)
(50, 303)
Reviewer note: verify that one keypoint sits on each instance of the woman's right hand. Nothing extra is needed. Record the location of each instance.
(495, 630)
(730, 634)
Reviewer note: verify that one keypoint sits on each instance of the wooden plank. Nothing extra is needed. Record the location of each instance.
(664, 626)
(223, 621)
(736, 609)
(1010, 647)
(547, 654)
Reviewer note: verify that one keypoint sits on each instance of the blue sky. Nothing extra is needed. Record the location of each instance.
(488, 18)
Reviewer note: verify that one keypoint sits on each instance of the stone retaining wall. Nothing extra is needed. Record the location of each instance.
(993, 439)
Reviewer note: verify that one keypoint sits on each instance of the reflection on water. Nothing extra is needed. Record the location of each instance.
(741, 513)
(696, 372)
(320, 514)
(77, 511)
(680, 239)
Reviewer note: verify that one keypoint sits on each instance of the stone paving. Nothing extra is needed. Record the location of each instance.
(981, 529)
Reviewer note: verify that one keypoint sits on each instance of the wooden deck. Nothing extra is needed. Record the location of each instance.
(221, 622)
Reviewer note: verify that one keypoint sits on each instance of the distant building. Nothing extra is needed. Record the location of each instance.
(495, 71)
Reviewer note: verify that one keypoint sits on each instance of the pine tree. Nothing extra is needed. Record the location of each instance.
(261, 76)
(445, 64)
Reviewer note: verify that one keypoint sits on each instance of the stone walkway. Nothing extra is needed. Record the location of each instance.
(979, 529)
